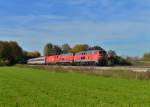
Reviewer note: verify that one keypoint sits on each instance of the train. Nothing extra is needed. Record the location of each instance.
(90, 57)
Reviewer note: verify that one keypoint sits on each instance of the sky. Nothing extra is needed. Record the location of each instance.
(120, 25)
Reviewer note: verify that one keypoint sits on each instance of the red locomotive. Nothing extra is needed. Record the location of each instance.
(51, 59)
(91, 57)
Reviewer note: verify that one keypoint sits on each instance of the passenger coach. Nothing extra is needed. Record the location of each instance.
(40, 61)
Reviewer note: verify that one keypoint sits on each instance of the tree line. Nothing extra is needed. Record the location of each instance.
(51, 49)
(11, 53)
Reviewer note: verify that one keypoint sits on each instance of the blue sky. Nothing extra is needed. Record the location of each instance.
(120, 25)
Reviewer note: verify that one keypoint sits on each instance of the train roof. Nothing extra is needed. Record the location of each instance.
(66, 54)
(88, 52)
(42, 57)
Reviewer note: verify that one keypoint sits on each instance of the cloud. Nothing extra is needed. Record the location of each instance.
(121, 25)
(120, 36)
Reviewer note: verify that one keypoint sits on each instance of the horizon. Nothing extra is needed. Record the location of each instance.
(112, 24)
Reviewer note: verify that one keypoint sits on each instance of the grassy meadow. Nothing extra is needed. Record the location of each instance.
(28, 87)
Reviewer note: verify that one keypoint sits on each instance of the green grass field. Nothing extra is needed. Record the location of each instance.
(27, 87)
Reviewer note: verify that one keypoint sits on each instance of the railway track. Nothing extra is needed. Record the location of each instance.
(130, 68)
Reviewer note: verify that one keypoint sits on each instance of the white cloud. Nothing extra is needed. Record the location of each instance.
(33, 36)
(88, 21)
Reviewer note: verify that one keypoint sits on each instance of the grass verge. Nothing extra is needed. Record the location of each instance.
(125, 74)
(28, 87)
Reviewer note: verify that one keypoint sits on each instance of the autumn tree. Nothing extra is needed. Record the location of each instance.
(34, 54)
(10, 52)
(146, 57)
(51, 49)
(47, 49)
(17, 51)
(96, 48)
(5, 53)
(65, 48)
(56, 49)
(80, 47)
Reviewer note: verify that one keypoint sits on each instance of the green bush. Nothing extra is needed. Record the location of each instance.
(5, 62)
(10, 52)
(117, 60)
(146, 57)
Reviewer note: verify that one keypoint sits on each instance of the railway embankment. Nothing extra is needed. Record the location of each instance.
(115, 72)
